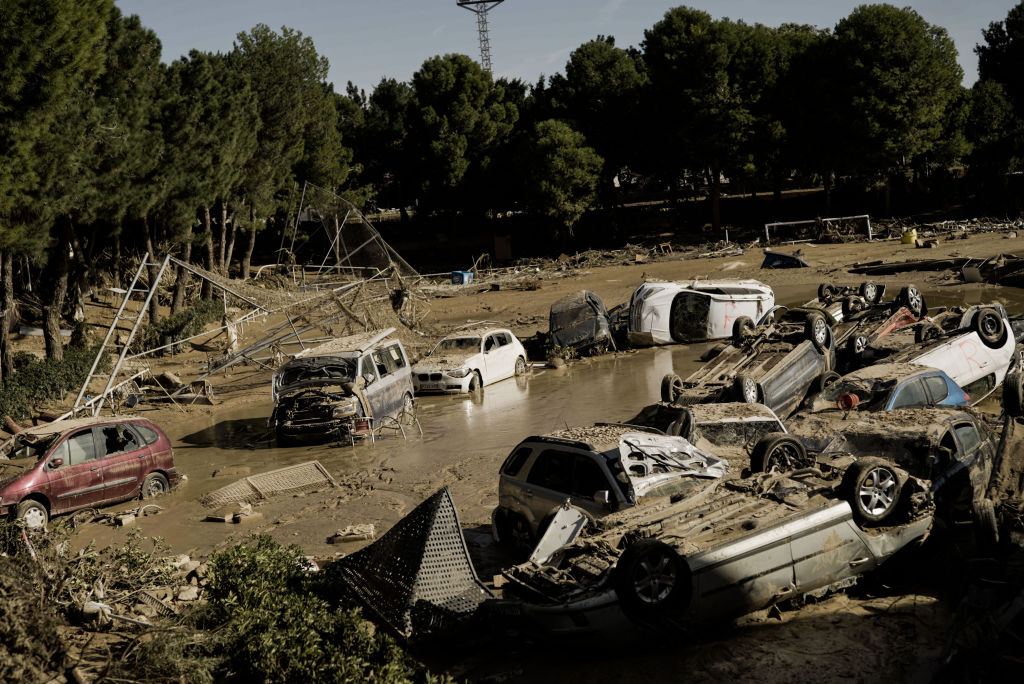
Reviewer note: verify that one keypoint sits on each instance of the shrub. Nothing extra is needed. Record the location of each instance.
(185, 323)
(39, 381)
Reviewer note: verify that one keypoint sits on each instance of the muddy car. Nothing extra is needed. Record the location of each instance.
(601, 469)
(69, 465)
(975, 346)
(468, 360)
(693, 311)
(580, 321)
(774, 362)
(864, 318)
(342, 388)
(888, 386)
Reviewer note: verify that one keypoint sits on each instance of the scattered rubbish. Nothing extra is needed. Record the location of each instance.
(229, 512)
(926, 244)
(780, 260)
(462, 277)
(353, 533)
(909, 237)
(302, 477)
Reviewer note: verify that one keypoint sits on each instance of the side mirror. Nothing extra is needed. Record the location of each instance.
(603, 497)
(56, 463)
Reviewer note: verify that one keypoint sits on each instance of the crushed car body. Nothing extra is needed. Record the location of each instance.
(693, 311)
(580, 321)
(344, 387)
(470, 359)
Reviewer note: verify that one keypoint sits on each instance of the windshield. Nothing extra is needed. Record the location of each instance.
(735, 433)
(460, 344)
(29, 446)
(336, 371)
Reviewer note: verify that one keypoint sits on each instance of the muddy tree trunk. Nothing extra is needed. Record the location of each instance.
(152, 269)
(181, 276)
(210, 261)
(116, 270)
(231, 245)
(250, 246)
(57, 283)
(9, 314)
(221, 265)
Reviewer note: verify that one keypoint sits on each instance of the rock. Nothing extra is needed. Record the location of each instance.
(187, 593)
(249, 517)
(557, 362)
(229, 513)
(126, 519)
(161, 593)
(189, 567)
(169, 380)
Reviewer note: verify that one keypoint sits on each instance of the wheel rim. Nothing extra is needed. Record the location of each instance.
(989, 324)
(407, 405)
(750, 391)
(34, 518)
(520, 366)
(654, 577)
(155, 487)
(860, 343)
(914, 299)
(677, 388)
(876, 491)
(869, 291)
(820, 331)
(783, 457)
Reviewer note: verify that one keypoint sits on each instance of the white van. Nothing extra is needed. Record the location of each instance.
(693, 310)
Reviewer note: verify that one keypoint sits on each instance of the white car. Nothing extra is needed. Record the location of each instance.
(694, 310)
(468, 360)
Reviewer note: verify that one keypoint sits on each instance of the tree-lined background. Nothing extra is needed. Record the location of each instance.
(105, 151)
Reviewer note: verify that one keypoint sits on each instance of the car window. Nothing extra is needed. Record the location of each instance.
(149, 435)
(490, 344)
(552, 470)
(514, 463)
(969, 438)
(937, 388)
(504, 338)
(395, 354)
(587, 478)
(117, 439)
(378, 362)
(81, 447)
(911, 394)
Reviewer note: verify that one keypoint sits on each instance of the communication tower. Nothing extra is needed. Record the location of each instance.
(480, 8)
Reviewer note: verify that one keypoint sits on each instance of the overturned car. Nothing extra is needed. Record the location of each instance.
(580, 321)
(343, 388)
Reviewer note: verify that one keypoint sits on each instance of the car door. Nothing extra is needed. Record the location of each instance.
(827, 548)
(125, 460)
(507, 354)
(549, 482)
(74, 475)
(381, 393)
(491, 364)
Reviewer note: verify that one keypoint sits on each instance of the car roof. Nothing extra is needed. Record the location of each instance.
(358, 343)
(62, 426)
(595, 437)
(474, 332)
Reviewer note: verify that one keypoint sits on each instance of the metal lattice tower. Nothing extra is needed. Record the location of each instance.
(480, 8)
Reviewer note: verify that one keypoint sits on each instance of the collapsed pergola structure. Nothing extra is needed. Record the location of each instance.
(368, 286)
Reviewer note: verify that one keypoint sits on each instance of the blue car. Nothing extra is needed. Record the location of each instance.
(888, 386)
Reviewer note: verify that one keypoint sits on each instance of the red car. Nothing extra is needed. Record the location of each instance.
(73, 464)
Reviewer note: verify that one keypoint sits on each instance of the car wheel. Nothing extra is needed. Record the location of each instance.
(857, 345)
(746, 389)
(869, 291)
(514, 530)
(911, 298)
(681, 427)
(408, 414)
(926, 331)
(1013, 394)
(474, 382)
(989, 326)
(742, 328)
(853, 305)
(33, 513)
(520, 366)
(779, 450)
(872, 488)
(652, 582)
(155, 484)
(826, 293)
(987, 527)
(671, 387)
(824, 380)
(817, 331)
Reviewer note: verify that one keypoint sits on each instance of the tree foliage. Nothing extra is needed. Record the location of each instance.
(561, 172)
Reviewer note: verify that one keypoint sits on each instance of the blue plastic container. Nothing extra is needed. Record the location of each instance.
(462, 277)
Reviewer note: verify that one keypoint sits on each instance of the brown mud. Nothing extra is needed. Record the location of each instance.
(464, 441)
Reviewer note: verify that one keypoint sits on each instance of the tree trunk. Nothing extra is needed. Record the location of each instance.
(221, 264)
(153, 270)
(58, 289)
(247, 258)
(207, 289)
(181, 278)
(9, 315)
(116, 271)
(716, 193)
(231, 246)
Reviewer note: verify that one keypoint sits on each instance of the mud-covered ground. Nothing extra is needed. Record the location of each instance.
(879, 631)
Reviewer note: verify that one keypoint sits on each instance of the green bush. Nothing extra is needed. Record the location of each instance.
(185, 323)
(37, 381)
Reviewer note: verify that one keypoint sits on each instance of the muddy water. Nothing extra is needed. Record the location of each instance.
(463, 443)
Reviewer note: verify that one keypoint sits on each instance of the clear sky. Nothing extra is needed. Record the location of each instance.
(366, 40)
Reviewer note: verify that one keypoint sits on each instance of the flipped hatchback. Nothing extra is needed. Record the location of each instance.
(68, 465)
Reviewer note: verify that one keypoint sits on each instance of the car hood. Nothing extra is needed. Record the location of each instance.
(444, 362)
(11, 470)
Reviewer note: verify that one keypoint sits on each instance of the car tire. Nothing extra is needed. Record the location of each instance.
(682, 426)
(990, 328)
(986, 524)
(926, 332)
(826, 292)
(742, 328)
(817, 331)
(474, 382)
(513, 529)
(671, 387)
(857, 345)
(870, 292)
(779, 450)
(155, 484)
(652, 582)
(746, 389)
(872, 488)
(33, 513)
(853, 305)
(911, 298)
(1013, 394)
(520, 366)
(824, 380)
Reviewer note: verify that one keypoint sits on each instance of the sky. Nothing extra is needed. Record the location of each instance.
(367, 40)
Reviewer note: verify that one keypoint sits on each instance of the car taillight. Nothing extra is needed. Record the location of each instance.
(967, 396)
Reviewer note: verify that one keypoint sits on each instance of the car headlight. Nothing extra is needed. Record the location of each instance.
(459, 372)
(345, 409)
